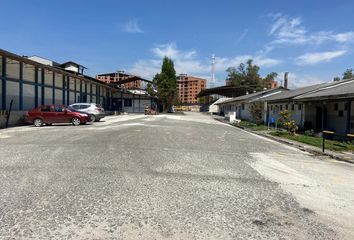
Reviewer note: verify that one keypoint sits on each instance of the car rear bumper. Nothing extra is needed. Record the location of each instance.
(100, 115)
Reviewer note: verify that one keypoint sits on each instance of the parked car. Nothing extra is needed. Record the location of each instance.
(49, 114)
(95, 111)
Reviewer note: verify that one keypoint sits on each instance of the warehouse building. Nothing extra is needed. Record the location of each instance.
(29, 82)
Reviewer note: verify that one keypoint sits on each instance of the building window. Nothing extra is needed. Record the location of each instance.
(58, 96)
(71, 83)
(271, 108)
(12, 93)
(340, 113)
(48, 95)
(59, 80)
(94, 89)
(48, 77)
(243, 106)
(12, 69)
(128, 102)
(292, 107)
(346, 106)
(28, 96)
(29, 72)
(281, 107)
(336, 107)
(299, 107)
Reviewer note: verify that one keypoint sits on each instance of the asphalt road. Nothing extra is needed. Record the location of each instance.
(167, 177)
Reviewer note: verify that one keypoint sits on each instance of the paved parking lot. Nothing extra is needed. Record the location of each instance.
(167, 177)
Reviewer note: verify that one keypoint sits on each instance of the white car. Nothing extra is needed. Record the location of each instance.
(94, 110)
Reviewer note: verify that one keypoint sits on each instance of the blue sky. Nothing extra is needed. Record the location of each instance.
(313, 40)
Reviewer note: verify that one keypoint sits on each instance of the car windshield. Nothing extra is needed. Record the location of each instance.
(72, 109)
(59, 108)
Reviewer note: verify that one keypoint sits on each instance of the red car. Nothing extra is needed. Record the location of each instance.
(49, 114)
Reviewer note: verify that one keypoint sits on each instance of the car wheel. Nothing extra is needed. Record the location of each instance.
(92, 118)
(75, 121)
(38, 122)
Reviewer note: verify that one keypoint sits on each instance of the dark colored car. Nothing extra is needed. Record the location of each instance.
(49, 114)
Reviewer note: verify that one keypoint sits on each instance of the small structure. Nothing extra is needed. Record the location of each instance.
(330, 108)
(243, 105)
(214, 108)
(326, 106)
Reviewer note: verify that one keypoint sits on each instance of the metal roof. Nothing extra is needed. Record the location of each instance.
(220, 100)
(342, 89)
(227, 91)
(256, 95)
(51, 68)
(286, 95)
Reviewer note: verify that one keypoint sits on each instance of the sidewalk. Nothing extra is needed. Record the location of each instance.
(346, 157)
(340, 156)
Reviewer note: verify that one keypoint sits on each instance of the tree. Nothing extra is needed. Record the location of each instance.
(348, 74)
(257, 110)
(290, 125)
(247, 75)
(336, 79)
(164, 84)
(271, 76)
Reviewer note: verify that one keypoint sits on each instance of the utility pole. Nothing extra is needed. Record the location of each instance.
(212, 82)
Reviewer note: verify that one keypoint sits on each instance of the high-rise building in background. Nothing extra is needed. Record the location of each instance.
(121, 79)
(188, 88)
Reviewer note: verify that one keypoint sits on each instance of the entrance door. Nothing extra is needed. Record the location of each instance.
(321, 118)
(116, 104)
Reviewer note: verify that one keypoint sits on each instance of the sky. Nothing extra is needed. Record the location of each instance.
(312, 40)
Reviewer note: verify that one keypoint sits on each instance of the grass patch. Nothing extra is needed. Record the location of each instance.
(252, 126)
(316, 141)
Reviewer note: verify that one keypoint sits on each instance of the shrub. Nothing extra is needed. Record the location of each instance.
(310, 133)
(285, 121)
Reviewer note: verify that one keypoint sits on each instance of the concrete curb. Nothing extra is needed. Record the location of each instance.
(310, 149)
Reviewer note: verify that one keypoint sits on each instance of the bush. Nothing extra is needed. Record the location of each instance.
(310, 133)
(285, 121)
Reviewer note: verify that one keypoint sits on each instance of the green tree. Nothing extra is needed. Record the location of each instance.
(348, 74)
(336, 79)
(247, 75)
(164, 85)
(271, 76)
(257, 110)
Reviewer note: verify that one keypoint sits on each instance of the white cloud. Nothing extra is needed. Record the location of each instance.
(223, 63)
(188, 62)
(317, 57)
(184, 61)
(299, 80)
(344, 37)
(287, 30)
(146, 68)
(132, 27)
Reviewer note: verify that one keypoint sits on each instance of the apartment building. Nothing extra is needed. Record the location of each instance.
(188, 88)
(121, 79)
